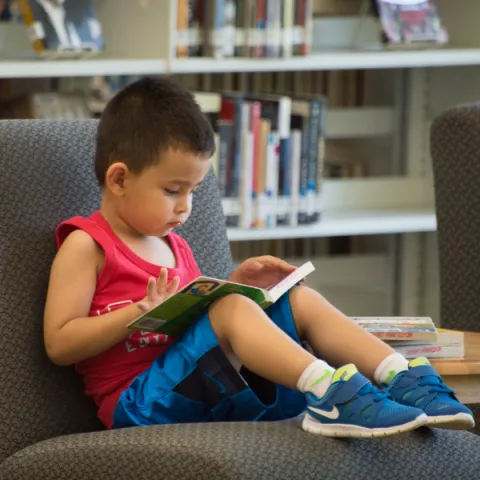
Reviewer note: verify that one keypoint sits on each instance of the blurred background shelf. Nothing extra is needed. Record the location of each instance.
(336, 60)
(354, 222)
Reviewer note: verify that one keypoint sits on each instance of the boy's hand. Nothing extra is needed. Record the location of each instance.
(262, 272)
(159, 291)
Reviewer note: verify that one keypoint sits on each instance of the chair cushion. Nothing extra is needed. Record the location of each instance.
(455, 149)
(245, 450)
(46, 176)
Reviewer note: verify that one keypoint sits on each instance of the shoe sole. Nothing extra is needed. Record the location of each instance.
(459, 421)
(311, 425)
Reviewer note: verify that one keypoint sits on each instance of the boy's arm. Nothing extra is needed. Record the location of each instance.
(70, 335)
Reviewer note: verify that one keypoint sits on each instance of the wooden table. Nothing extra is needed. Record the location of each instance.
(462, 376)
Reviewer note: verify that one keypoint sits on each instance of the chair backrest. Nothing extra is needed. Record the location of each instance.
(455, 149)
(46, 176)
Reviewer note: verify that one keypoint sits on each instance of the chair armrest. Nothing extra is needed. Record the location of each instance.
(244, 450)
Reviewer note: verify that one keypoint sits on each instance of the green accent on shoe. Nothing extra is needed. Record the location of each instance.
(418, 362)
(326, 374)
(391, 375)
(344, 373)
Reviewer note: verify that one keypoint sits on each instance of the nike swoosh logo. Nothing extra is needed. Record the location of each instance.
(331, 414)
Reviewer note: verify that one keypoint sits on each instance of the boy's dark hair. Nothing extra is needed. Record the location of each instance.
(145, 119)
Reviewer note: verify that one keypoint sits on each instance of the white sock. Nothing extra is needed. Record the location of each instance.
(389, 367)
(316, 378)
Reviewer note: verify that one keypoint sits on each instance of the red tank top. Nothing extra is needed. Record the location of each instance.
(123, 280)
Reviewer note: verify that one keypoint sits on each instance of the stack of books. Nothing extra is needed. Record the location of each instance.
(418, 337)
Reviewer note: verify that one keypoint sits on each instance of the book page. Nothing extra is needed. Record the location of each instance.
(277, 290)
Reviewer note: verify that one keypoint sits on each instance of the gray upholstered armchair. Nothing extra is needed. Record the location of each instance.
(45, 177)
(455, 149)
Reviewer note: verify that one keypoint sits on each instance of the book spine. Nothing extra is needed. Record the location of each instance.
(253, 35)
(303, 180)
(313, 139)
(285, 175)
(246, 174)
(236, 155)
(260, 26)
(241, 29)
(194, 27)
(273, 29)
(296, 136)
(260, 216)
(299, 29)
(288, 21)
(306, 46)
(284, 118)
(32, 27)
(225, 134)
(255, 127)
(214, 15)
(183, 14)
(320, 157)
(272, 179)
(229, 31)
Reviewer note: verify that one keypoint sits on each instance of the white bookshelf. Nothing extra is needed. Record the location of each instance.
(80, 68)
(335, 60)
(338, 60)
(348, 222)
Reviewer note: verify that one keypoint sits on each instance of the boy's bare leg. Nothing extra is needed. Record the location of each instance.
(333, 336)
(243, 328)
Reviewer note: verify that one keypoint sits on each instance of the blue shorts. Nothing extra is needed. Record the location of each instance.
(193, 381)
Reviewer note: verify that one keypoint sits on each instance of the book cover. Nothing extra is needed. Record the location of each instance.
(411, 22)
(399, 328)
(174, 315)
(62, 25)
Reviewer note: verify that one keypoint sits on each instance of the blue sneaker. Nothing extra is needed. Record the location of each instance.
(422, 387)
(353, 407)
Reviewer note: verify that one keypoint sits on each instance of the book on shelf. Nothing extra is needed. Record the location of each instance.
(62, 27)
(243, 28)
(399, 328)
(411, 23)
(174, 315)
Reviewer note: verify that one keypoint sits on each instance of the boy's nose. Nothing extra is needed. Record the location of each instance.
(181, 206)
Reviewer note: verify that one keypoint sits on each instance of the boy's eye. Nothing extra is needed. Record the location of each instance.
(171, 192)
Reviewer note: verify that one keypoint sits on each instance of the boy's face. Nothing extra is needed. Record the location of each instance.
(159, 198)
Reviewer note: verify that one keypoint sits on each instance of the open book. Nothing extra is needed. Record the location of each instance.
(174, 315)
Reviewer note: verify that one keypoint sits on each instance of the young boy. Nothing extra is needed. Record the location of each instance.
(153, 151)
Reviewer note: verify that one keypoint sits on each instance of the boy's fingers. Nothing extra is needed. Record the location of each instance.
(162, 280)
(151, 287)
(173, 285)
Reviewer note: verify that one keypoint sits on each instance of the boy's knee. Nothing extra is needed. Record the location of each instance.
(231, 300)
(298, 293)
(227, 311)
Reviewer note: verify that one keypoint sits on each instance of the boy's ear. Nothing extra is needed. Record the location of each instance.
(116, 176)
